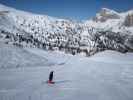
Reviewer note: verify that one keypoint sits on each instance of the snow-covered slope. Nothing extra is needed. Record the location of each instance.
(108, 30)
(77, 78)
(13, 57)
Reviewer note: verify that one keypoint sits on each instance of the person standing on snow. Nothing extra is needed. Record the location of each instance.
(51, 77)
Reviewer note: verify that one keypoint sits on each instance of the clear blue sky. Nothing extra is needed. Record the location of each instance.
(74, 9)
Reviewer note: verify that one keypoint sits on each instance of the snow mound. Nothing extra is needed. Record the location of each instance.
(109, 56)
(14, 57)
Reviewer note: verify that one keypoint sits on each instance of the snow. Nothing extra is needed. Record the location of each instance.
(42, 31)
(114, 23)
(105, 76)
(115, 57)
(13, 57)
(109, 11)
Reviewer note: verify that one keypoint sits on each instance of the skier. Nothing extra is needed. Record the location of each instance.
(51, 77)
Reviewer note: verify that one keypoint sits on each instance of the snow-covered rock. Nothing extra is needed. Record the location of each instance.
(106, 14)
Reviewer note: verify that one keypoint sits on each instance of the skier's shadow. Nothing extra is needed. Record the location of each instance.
(62, 81)
(58, 81)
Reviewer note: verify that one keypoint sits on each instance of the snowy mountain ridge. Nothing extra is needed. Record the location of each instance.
(108, 30)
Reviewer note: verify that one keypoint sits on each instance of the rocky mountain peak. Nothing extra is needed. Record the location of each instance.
(106, 14)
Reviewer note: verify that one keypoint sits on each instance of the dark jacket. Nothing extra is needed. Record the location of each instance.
(51, 76)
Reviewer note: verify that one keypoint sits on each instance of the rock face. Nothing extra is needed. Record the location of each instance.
(107, 31)
(129, 20)
(106, 14)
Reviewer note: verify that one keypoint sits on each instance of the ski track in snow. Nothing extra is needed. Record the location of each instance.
(77, 78)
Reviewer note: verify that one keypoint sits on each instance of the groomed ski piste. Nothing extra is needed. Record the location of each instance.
(24, 71)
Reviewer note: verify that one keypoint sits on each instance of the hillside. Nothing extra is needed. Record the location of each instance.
(109, 30)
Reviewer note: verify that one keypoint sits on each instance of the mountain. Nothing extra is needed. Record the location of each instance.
(108, 30)
(106, 14)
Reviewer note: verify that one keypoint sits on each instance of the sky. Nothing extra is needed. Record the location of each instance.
(72, 9)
